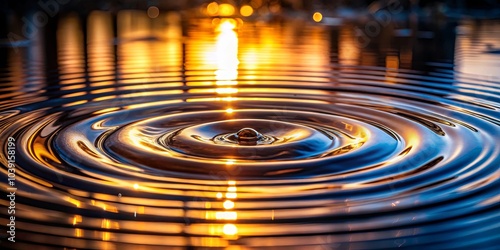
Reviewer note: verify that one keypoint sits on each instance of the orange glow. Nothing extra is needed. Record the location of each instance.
(226, 90)
(230, 229)
(213, 8)
(77, 219)
(317, 17)
(141, 58)
(106, 236)
(75, 202)
(226, 215)
(256, 3)
(228, 204)
(392, 62)
(226, 25)
(78, 232)
(215, 21)
(100, 51)
(229, 111)
(109, 224)
(275, 8)
(106, 223)
(350, 53)
(246, 10)
(104, 206)
(141, 61)
(140, 210)
(70, 51)
(226, 9)
(231, 195)
(227, 57)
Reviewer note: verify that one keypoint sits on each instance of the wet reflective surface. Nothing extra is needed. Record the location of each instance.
(231, 133)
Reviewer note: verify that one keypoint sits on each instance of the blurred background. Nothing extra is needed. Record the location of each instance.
(96, 57)
(414, 34)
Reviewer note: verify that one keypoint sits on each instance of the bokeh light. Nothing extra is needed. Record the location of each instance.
(317, 17)
(213, 8)
(153, 12)
(246, 10)
(226, 9)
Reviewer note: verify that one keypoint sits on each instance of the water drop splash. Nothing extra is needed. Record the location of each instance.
(248, 136)
(227, 151)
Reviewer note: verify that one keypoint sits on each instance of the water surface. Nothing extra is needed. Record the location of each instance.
(132, 139)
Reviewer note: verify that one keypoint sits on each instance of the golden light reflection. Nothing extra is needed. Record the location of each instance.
(230, 229)
(109, 224)
(75, 202)
(148, 48)
(226, 53)
(77, 219)
(350, 52)
(78, 232)
(135, 53)
(105, 223)
(213, 8)
(104, 206)
(231, 195)
(228, 204)
(106, 236)
(317, 17)
(226, 215)
(392, 62)
(226, 90)
(226, 9)
(70, 52)
(140, 210)
(246, 10)
(100, 49)
(257, 55)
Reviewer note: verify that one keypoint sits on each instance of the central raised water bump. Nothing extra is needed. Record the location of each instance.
(248, 136)
(246, 139)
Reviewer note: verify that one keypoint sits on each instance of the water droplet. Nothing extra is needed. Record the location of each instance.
(248, 136)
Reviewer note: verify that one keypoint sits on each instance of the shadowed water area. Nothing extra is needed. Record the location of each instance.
(134, 132)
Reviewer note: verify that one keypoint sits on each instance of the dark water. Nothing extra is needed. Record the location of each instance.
(133, 140)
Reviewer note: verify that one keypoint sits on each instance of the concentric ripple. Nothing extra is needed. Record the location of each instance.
(349, 162)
